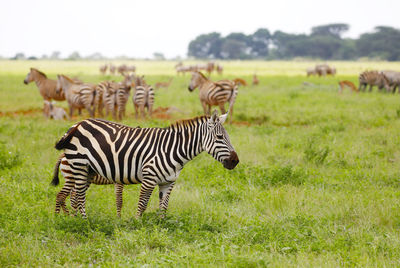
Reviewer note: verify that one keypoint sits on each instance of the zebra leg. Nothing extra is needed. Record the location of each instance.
(142, 111)
(63, 194)
(150, 110)
(164, 193)
(146, 189)
(222, 108)
(136, 111)
(74, 200)
(204, 107)
(118, 188)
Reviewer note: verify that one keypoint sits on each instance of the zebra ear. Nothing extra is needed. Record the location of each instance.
(223, 118)
(214, 116)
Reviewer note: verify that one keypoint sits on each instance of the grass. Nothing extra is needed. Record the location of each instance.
(317, 183)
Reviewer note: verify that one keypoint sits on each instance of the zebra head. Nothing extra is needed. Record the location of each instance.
(216, 142)
(197, 80)
(29, 77)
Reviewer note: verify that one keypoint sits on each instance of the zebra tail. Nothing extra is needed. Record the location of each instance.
(56, 180)
(67, 137)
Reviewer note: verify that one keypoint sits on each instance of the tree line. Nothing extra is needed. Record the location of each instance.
(324, 42)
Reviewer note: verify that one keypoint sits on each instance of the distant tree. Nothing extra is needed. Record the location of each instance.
(55, 55)
(95, 56)
(19, 56)
(32, 58)
(383, 43)
(74, 56)
(334, 29)
(44, 57)
(158, 56)
(206, 46)
(260, 42)
(233, 49)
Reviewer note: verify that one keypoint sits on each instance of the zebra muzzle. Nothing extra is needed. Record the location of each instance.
(232, 161)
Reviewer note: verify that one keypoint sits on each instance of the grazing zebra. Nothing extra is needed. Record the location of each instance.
(68, 188)
(393, 78)
(143, 98)
(373, 78)
(78, 95)
(54, 112)
(150, 156)
(214, 93)
(103, 69)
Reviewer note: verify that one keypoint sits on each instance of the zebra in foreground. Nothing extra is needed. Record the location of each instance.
(150, 156)
(143, 97)
(373, 78)
(68, 188)
(214, 93)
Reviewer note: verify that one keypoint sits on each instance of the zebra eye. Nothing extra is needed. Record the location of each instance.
(219, 136)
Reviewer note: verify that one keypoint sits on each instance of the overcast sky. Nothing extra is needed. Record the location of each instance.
(140, 28)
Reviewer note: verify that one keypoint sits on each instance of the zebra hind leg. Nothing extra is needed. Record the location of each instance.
(63, 194)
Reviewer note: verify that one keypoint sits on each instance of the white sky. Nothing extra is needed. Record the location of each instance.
(140, 28)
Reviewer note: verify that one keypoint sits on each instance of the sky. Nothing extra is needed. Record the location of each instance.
(140, 28)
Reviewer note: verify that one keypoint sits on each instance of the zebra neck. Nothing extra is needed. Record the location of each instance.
(39, 80)
(189, 142)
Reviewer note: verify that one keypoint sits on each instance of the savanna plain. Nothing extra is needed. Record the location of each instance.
(317, 184)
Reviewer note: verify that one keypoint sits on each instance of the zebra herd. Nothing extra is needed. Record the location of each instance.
(102, 152)
(389, 80)
(109, 95)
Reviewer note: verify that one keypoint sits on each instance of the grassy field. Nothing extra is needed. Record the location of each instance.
(317, 184)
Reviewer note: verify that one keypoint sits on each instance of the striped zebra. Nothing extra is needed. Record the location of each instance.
(214, 93)
(393, 78)
(373, 78)
(68, 188)
(150, 156)
(78, 95)
(143, 98)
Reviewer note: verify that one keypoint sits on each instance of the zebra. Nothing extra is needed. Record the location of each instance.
(393, 78)
(373, 78)
(62, 164)
(150, 156)
(78, 95)
(143, 97)
(214, 93)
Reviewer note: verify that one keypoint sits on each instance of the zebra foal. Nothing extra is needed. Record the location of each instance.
(149, 156)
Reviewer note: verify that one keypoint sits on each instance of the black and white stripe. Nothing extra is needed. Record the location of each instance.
(214, 93)
(143, 99)
(373, 78)
(150, 156)
(68, 188)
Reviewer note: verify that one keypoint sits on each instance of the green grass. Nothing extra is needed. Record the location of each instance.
(317, 184)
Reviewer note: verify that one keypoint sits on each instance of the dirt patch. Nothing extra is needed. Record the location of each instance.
(29, 112)
(241, 123)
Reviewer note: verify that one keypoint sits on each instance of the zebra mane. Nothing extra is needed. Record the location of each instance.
(39, 72)
(179, 125)
(200, 73)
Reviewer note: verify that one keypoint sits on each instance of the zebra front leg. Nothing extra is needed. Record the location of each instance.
(145, 192)
(164, 193)
(118, 188)
(204, 107)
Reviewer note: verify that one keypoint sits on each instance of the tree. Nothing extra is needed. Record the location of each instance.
(383, 43)
(334, 29)
(158, 56)
(206, 46)
(55, 55)
(74, 56)
(19, 56)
